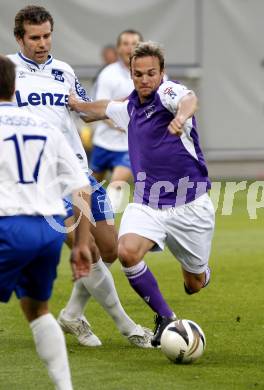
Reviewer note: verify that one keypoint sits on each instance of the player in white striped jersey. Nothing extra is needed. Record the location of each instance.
(42, 86)
(37, 168)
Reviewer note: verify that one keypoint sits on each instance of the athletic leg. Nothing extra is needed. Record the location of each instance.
(140, 231)
(49, 341)
(99, 176)
(117, 188)
(71, 318)
(189, 236)
(100, 285)
(121, 173)
(194, 282)
(131, 250)
(105, 236)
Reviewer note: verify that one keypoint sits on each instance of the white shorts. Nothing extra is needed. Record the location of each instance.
(187, 230)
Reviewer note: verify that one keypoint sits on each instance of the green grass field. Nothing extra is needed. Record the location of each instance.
(230, 311)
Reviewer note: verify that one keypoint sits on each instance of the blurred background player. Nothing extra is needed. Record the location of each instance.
(109, 54)
(42, 86)
(171, 205)
(110, 147)
(32, 157)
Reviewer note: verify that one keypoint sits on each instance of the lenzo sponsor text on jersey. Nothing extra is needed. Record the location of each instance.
(47, 98)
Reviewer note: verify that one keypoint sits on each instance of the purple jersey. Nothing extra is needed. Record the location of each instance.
(168, 170)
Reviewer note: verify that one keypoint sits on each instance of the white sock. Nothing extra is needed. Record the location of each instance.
(108, 265)
(100, 285)
(207, 276)
(51, 348)
(78, 300)
(116, 196)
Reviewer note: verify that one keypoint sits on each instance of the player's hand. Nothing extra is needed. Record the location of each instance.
(84, 253)
(81, 261)
(176, 126)
(72, 101)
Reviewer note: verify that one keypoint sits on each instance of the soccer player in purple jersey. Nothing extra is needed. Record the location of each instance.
(171, 205)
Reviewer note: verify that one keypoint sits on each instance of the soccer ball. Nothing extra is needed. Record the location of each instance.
(183, 341)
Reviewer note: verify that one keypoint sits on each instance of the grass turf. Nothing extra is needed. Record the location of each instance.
(230, 311)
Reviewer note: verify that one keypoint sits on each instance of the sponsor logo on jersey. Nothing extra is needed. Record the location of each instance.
(44, 99)
(169, 91)
(149, 111)
(58, 75)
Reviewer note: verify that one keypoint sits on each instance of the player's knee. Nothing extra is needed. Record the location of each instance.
(192, 288)
(33, 309)
(128, 256)
(109, 255)
(193, 283)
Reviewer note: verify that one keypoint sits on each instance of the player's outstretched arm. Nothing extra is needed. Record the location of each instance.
(187, 106)
(84, 250)
(91, 111)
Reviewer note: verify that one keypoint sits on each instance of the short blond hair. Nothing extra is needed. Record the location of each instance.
(148, 49)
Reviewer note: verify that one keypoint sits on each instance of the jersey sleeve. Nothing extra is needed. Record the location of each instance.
(75, 86)
(81, 91)
(117, 111)
(170, 94)
(69, 172)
